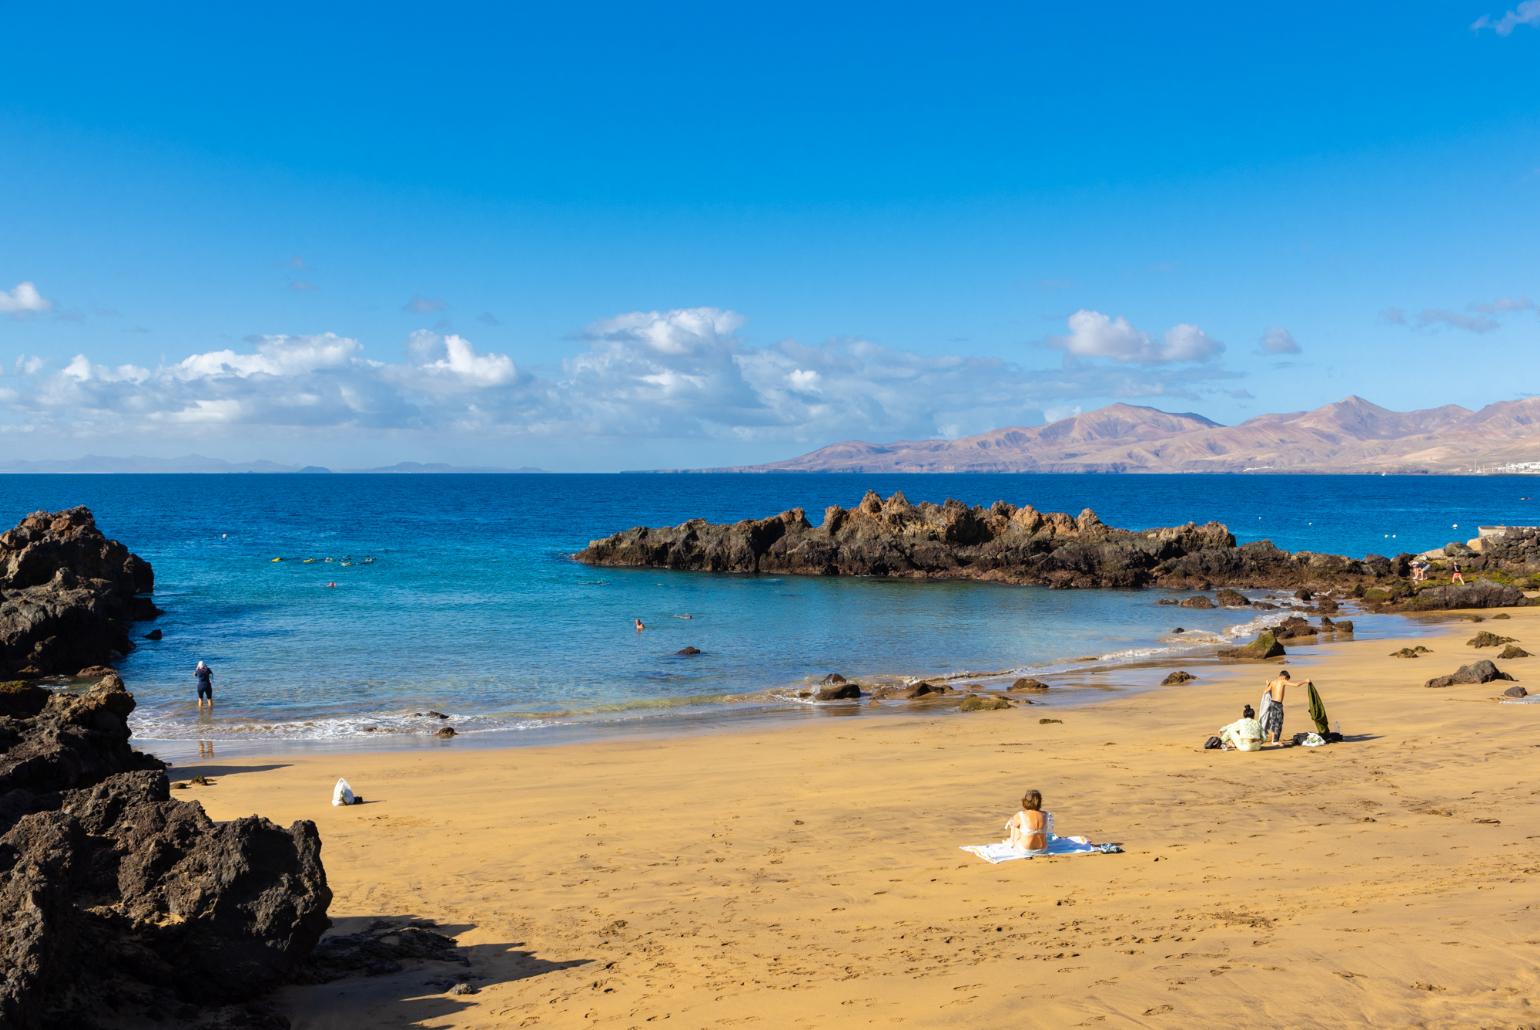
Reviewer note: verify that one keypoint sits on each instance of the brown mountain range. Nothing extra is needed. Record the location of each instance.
(1351, 435)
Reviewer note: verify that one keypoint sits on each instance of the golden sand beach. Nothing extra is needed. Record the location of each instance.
(810, 875)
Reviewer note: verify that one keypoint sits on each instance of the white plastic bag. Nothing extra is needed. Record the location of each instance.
(342, 794)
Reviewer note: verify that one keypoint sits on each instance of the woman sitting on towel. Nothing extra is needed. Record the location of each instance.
(1031, 828)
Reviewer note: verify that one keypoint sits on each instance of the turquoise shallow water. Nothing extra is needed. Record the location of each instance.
(471, 605)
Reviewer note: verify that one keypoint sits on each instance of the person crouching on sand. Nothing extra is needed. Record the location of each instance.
(205, 677)
(1031, 828)
(1244, 734)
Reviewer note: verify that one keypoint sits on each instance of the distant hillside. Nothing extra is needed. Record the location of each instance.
(1352, 435)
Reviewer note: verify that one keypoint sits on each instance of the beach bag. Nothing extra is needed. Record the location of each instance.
(1213, 744)
(342, 794)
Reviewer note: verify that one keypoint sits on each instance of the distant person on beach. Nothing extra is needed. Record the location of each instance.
(1244, 734)
(205, 677)
(1419, 572)
(1031, 828)
(640, 626)
(1455, 576)
(1272, 705)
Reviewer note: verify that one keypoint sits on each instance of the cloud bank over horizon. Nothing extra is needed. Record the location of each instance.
(680, 374)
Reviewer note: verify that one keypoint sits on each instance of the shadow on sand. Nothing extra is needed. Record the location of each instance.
(187, 772)
(393, 975)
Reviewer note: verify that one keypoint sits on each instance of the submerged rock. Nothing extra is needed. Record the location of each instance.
(835, 689)
(687, 651)
(1196, 601)
(1231, 598)
(1476, 672)
(923, 690)
(1180, 676)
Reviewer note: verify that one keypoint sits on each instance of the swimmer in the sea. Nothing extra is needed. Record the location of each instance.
(639, 625)
(332, 585)
(686, 615)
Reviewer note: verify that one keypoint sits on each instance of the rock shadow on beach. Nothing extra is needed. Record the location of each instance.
(402, 971)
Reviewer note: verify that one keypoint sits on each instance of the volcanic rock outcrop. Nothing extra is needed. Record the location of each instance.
(67, 595)
(1006, 544)
(1002, 543)
(118, 905)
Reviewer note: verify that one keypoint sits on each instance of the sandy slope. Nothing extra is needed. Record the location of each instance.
(809, 875)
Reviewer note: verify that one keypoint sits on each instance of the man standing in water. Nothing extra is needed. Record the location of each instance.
(205, 677)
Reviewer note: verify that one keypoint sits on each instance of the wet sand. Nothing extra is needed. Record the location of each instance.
(809, 875)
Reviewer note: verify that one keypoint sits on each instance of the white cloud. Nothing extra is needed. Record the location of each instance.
(684, 374)
(1434, 318)
(1278, 340)
(1095, 335)
(420, 305)
(1526, 13)
(23, 300)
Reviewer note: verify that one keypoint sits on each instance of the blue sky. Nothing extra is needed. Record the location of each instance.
(614, 236)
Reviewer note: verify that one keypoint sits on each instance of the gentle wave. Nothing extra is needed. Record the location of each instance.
(383, 725)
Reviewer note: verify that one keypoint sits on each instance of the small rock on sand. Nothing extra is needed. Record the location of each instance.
(1515, 692)
(1513, 651)
(1027, 685)
(1488, 639)
(1179, 676)
(1476, 672)
(981, 703)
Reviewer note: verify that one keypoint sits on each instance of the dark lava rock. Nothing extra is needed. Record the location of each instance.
(833, 677)
(380, 949)
(154, 634)
(1476, 672)
(1513, 651)
(431, 714)
(1487, 639)
(1294, 628)
(1027, 685)
(1001, 543)
(1501, 615)
(1179, 629)
(1411, 652)
(1326, 605)
(924, 690)
(1265, 646)
(1196, 601)
(1228, 598)
(444, 731)
(838, 690)
(981, 703)
(1480, 594)
(67, 594)
(1180, 676)
(120, 906)
(686, 651)
(1515, 692)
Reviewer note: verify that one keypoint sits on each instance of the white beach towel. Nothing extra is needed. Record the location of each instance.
(1003, 851)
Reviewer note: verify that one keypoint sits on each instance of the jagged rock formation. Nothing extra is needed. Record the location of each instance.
(96, 860)
(118, 905)
(67, 595)
(1007, 544)
(1002, 543)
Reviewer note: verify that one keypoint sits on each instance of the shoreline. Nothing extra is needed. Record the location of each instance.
(798, 876)
(1076, 684)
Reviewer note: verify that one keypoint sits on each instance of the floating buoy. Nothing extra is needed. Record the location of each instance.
(277, 559)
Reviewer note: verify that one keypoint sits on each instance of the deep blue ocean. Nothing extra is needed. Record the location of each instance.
(472, 607)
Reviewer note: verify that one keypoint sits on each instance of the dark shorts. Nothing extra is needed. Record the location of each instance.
(205, 693)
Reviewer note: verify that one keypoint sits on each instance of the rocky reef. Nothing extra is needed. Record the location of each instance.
(1010, 544)
(118, 905)
(67, 595)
